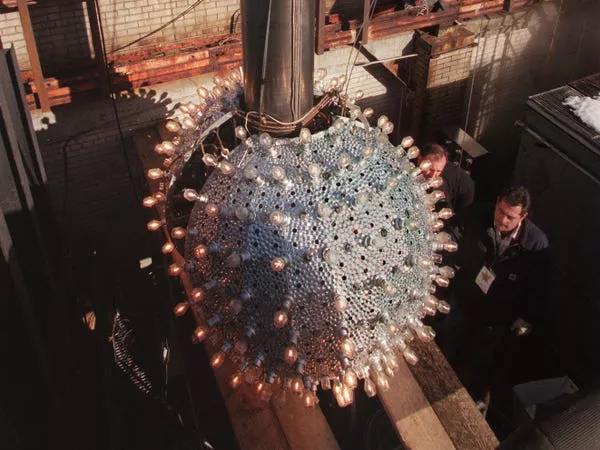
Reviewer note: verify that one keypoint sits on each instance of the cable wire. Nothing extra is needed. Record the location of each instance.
(162, 27)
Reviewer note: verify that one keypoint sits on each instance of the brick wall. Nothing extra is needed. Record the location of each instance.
(62, 30)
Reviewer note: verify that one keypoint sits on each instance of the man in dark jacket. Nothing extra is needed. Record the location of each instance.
(458, 185)
(502, 266)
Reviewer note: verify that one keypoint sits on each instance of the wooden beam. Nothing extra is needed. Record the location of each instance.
(366, 21)
(449, 399)
(34, 58)
(409, 411)
(320, 28)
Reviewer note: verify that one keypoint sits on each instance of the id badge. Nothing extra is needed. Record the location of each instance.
(485, 278)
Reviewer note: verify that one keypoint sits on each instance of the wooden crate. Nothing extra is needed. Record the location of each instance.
(426, 404)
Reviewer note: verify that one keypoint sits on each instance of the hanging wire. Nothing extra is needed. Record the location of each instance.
(358, 46)
(162, 27)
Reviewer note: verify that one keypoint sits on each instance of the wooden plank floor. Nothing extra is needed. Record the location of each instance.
(426, 404)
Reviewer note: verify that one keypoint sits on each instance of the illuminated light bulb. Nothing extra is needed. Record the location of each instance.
(437, 225)
(382, 120)
(225, 167)
(425, 165)
(210, 160)
(342, 79)
(350, 379)
(445, 213)
(399, 151)
(240, 132)
(340, 303)
(200, 333)
(217, 360)
(389, 289)
(250, 173)
(178, 233)
(265, 393)
(314, 170)
(149, 202)
(192, 107)
(278, 264)
(435, 183)
(153, 225)
(278, 218)
(435, 197)
(347, 347)
(447, 272)
(338, 126)
(189, 123)
(331, 257)
(332, 84)
(183, 108)
(265, 140)
(391, 183)
(211, 209)
(192, 196)
(450, 246)
(362, 198)
(359, 94)
(323, 210)
(197, 295)
(155, 174)
(368, 112)
(217, 91)
(234, 74)
(346, 395)
(413, 152)
(167, 248)
(387, 128)
(158, 148)
(278, 173)
(174, 270)
(290, 354)
(180, 309)
(443, 237)
(235, 380)
(428, 310)
(200, 251)
(344, 160)
(168, 147)
(218, 80)
(173, 126)
(410, 356)
(382, 381)
(297, 386)
(431, 301)
(407, 142)
(415, 172)
(367, 152)
(280, 319)
(354, 112)
(242, 213)
(425, 333)
(202, 92)
(443, 307)
(370, 388)
(309, 399)
(392, 361)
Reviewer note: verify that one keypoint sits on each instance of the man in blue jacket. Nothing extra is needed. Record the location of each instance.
(503, 268)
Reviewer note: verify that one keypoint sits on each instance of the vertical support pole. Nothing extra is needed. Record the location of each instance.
(320, 32)
(93, 14)
(364, 38)
(34, 57)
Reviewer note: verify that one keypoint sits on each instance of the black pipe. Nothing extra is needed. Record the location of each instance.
(281, 84)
